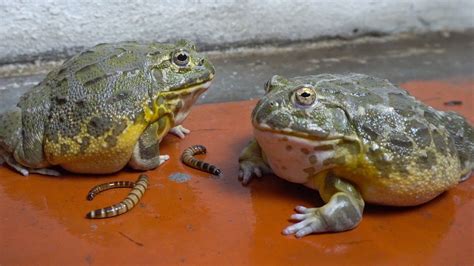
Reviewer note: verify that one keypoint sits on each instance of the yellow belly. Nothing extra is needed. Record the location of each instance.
(103, 154)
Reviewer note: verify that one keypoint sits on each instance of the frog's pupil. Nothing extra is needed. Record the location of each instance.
(305, 94)
(182, 57)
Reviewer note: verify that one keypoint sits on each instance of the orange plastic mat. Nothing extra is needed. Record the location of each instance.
(209, 220)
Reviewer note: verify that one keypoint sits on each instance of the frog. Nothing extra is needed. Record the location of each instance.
(107, 107)
(355, 139)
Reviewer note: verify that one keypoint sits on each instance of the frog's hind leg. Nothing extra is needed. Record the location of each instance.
(342, 211)
(462, 133)
(21, 142)
(466, 176)
(8, 159)
(145, 154)
(11, 138)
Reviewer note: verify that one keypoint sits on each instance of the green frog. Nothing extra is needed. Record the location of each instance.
(355, 139)
(104, 108)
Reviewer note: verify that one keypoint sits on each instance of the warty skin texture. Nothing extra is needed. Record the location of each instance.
(105, 107)
(356, 135)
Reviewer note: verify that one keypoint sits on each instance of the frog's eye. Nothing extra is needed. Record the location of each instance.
(181, 58)
(305, 95)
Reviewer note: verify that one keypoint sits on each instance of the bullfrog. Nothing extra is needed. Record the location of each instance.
(355, 139)
(104, 108)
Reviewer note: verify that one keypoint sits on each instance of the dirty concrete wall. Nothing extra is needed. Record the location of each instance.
(32, 28)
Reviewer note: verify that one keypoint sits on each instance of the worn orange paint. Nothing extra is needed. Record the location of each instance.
(210, 220)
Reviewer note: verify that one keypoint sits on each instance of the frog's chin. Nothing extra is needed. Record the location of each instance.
(184, 99)
(294, 158)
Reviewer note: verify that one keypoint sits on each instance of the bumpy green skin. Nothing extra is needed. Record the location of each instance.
(108, 93)
(396, 128)
(355, 139)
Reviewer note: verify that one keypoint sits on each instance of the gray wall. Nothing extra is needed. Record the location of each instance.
(40, 28)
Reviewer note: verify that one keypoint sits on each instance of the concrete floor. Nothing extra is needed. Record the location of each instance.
(241, 73)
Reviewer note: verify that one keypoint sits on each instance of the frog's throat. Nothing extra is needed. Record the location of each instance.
(294, 158)
(178, 103)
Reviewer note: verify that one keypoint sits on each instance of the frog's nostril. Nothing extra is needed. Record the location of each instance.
(201, 62)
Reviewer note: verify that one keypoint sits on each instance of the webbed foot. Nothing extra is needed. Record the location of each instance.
(249, 169)
(309, 222)
(163, 159)
(251, 163)
(341, 213)
(45, 171)
(180, 131)
(27, 170)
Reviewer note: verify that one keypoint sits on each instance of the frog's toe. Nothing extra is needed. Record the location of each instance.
(245, 175)
(24, 172)
(180, 131)
(45, 171)
(309, 222)
(163, 158)
(247, 171)
(342, 212)
(13, 164)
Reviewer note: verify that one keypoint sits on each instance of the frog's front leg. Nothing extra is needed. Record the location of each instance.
(146, 155)
(180, 131)
(252, 162)
(342, 211)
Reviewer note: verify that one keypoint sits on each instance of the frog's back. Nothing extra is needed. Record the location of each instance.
(407, 146)
(93, 100)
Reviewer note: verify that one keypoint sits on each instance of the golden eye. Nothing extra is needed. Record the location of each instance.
(305, 96)
(181, 58)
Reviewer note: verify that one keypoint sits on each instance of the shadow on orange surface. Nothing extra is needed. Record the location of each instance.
(209, 220)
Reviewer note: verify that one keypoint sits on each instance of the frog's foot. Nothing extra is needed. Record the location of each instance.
(163, 159)
(15, 165)
(45, 171)
(26, 170)
(339, 214)
(249, 169)
(180, 131)
(465, 177)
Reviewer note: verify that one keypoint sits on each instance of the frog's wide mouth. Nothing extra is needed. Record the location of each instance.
(188, 89)
(193, 83)
(314, 135)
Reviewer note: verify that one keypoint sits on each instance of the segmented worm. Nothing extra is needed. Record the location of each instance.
(188, 159)
(106, 186)
(125, 205)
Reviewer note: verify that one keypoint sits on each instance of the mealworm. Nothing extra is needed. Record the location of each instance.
(106, 186)
(125, 205)
(188, 159)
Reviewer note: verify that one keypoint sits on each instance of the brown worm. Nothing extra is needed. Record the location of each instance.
(125, 205)
(106, 186)
(188, 158)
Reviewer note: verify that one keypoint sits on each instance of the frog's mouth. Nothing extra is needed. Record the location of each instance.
(315, 134)
(183, 91)
(191, 82)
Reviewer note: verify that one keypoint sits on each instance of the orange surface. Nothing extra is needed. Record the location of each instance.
(209, 220)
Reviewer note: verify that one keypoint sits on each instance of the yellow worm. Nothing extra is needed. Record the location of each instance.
(188, 159)
(106, 186)
(125, 205)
